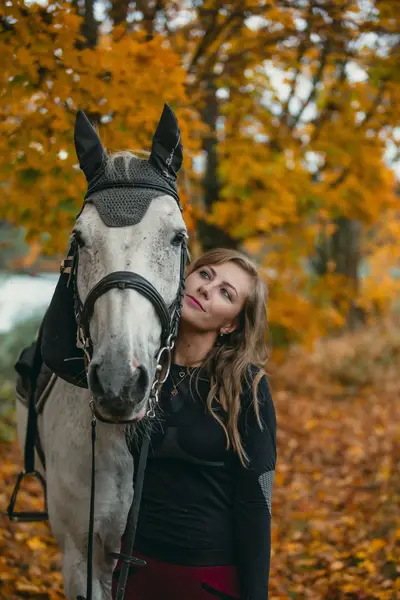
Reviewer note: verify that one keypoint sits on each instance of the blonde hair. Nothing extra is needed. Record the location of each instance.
(229, 362)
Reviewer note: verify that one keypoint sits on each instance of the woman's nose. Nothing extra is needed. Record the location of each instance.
(203, 289)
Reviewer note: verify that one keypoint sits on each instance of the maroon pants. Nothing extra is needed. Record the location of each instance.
(164, 581)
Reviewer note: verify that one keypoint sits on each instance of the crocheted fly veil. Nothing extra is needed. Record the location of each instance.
(121, 194)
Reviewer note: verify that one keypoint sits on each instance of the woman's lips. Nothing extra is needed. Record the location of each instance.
(195, 303)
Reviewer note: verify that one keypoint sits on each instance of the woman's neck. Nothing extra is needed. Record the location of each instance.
(191, 347)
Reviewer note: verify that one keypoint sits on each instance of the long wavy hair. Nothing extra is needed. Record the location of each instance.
(230, 363)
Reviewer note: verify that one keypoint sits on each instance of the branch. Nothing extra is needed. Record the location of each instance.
(224, 35)
(262, 45)
(292, 121)
(149, 15)
(300, 53)
(330, 106)
(119, 11)
(211, 34)
(375, 104)
(238, 13)
(202, 47)
(340, 178)
(285, 108)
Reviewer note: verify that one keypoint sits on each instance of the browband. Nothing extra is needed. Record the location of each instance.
(127, 184)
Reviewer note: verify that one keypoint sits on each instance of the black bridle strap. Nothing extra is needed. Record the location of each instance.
(127, 558)
(30, 440)
(116, 183)
(125, 280)
(89, 576)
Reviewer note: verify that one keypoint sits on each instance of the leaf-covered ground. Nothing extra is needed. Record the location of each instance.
(336, 502)
(30, 563)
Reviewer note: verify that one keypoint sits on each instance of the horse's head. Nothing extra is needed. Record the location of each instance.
(131, 223)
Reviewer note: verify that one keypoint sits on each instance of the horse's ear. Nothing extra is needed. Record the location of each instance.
(89, 149)
(167, 151)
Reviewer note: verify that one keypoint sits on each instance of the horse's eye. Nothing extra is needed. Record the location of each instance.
(178, 238)
(78, 238)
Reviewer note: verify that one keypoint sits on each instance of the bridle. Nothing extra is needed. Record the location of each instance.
(169, 318)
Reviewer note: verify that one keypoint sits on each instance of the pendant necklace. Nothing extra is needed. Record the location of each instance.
(182, 375)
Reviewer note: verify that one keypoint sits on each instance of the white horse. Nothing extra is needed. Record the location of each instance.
(125, 332)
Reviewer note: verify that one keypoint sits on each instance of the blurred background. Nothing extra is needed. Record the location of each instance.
(289, 112)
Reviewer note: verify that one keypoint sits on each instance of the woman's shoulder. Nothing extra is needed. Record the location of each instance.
(256, 388)
(257, 411)
(255, 375)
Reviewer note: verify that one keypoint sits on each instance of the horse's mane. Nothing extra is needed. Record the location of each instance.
(111, 168)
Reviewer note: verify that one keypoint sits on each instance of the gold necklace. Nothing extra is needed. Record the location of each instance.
(182, 374)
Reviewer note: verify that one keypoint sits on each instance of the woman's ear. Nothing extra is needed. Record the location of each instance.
(229, 328)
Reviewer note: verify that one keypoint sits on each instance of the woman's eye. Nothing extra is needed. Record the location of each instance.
(204, 274)
(226, 293)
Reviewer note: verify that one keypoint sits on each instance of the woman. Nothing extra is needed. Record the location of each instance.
(204, 522)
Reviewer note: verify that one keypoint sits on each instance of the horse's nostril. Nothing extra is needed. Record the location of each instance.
(94, 380)
(141, 377)
(118, 383)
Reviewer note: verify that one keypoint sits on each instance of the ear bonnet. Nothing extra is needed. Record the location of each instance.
(123, 192)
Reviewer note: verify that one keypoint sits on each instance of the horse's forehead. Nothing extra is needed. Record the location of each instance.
(163, 209)
(162, 214)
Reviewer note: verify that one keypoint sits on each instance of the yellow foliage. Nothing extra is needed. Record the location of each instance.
(300, 132)
(43, 84)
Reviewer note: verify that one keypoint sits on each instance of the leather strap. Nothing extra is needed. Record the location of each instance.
(127, 558)
(29, 449)
(122, 280)
(132, 184)
(89, 576)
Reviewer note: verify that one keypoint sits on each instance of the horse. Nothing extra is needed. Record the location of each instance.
(127, 263)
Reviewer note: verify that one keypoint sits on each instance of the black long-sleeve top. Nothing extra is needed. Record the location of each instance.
(200, 506)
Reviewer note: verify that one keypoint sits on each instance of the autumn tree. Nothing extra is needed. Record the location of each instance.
(54, 62)
(307, 100)
(301, 100)
(298, 101)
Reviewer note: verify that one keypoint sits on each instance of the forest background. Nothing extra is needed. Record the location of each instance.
(289, 111)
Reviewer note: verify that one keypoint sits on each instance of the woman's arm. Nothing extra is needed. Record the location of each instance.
(252, 513)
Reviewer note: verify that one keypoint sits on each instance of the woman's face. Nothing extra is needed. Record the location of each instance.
(214, 297)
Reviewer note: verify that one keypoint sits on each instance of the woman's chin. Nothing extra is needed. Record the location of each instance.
(192, 317)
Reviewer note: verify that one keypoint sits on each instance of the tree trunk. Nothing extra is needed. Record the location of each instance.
(347, 256)
(89, 25)
(209, 235)
(343, 249)
(119, 11)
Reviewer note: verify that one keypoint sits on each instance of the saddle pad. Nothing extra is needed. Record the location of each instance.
(45, 381)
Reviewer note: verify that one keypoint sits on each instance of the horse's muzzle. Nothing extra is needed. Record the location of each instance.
(117, 392)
